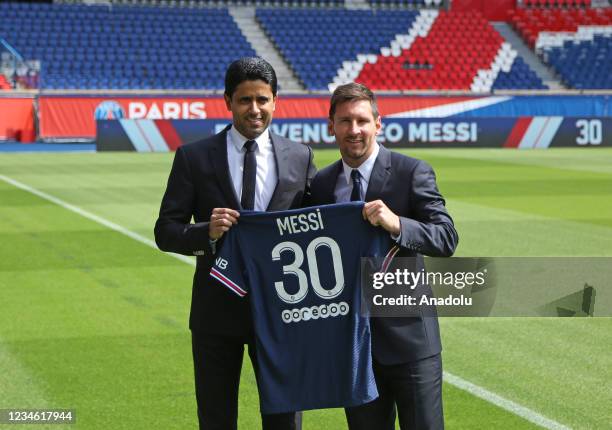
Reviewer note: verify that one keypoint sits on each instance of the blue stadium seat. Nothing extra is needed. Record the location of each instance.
(597, 53)
(110, 48)
(520, 77)
(315, 56)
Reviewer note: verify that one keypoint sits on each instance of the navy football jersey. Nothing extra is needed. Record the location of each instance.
(301, 270)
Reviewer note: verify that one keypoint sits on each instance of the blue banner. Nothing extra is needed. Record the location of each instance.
(449, 132)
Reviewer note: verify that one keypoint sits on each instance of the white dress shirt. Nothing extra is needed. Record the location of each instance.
(344, 184)
(267, 177)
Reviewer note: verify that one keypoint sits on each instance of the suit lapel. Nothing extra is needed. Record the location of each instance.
(329, 183)
(281, 156)
(219, 159)
(380, 174)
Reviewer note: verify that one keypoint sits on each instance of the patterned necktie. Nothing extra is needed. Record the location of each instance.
(249, 175)
(356, 192)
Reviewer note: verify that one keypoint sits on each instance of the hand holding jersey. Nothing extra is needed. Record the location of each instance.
(221, 220)
(378, 214)
(403, 198)
(301, 270)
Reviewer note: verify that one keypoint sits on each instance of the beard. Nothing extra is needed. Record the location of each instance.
(355, 148)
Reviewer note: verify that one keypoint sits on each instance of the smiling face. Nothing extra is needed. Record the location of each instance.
(252, 105)
(355, 128)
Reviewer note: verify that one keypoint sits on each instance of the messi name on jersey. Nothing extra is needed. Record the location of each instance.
(300, 223)
(301, 270)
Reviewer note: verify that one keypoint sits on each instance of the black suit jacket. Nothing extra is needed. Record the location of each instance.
(408, 187)
(199, 182)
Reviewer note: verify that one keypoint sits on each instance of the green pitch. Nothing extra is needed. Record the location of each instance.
(93, 320)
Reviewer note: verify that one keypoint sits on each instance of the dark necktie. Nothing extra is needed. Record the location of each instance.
(249, 175)
(356, 192)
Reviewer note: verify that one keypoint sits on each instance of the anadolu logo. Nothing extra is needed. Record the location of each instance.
(109, 109)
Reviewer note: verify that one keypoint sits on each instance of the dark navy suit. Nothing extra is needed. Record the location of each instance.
(406, 350)
(219, 320)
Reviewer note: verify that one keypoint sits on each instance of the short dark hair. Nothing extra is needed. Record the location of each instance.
(351, 92)
(249, 69)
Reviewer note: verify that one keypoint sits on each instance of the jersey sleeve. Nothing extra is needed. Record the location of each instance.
(381, 247)
(228, 267)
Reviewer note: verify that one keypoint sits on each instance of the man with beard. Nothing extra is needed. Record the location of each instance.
(401, 197)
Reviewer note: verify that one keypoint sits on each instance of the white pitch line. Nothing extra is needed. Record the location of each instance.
(508, 405)
(93, 217)
(462, 384)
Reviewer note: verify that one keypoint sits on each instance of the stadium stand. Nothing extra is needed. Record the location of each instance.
(446, 48)
(597, 53)
(90, 47)
(316, 56)
(531, 23)
(520, 76)
(395, 45)
(443, 50)
(405, 3)
(395, 50)
(4, 83)
(225, 3)
(566, 38)
(557, 3)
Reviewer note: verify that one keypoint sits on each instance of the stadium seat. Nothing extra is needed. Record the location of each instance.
(411, 4)
(394, 50)
(597, 53)
(530, 23)
(4, 83)
(553, 4)
(96, 47)
(519, 76)
(446, 51)
(313, 58)
(576, 43)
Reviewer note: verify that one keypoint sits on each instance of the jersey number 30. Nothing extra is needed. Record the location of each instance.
(295, 268)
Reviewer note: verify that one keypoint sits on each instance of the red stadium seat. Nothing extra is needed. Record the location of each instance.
(556, 4)
(4, 84)
(457, 46)
(530, 22)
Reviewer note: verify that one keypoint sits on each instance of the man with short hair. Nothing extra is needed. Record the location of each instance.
(244, 167)
(402, 197)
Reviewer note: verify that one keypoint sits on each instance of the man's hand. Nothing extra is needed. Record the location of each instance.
(221, 220)
(378, 214)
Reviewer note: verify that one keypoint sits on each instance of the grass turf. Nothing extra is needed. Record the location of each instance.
(96, 321)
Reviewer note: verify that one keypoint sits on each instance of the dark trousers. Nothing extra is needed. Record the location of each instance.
(414, 389)
(217, 363)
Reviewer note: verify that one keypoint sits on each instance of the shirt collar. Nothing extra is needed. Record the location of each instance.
(365, 169)
(238, 140)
